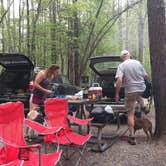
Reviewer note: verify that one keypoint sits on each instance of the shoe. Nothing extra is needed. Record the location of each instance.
(132, 140)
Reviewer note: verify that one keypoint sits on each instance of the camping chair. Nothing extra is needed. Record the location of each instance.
(56, 110)
(14, 163)
(14, 151)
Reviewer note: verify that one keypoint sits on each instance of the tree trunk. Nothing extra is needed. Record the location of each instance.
(70, 58)
(140, 32)
(120, 36)
(73, 48)
(28, 29)
(14, 32)
(157, 40)
(127, 28)
(9, 38)
(2, 26)
(53, 10)
(21, 9)
(76, 49)
(33, 38)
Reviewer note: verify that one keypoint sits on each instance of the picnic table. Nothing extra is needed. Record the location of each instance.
(83, 114)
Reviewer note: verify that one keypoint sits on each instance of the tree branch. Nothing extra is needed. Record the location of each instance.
(115, 17)
(103, 31)
(4, 14)
(93, 25)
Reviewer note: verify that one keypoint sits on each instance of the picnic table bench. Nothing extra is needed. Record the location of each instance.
(82, 113)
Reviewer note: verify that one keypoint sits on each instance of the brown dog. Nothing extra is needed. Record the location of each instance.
(145, 124)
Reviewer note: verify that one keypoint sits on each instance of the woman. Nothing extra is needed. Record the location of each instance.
(42, 80)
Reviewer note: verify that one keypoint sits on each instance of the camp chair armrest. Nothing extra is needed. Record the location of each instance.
(79, 121)
(33, 146)
(39, 128)
(28, 146)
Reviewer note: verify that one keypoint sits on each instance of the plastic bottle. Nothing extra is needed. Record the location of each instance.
(85, 93)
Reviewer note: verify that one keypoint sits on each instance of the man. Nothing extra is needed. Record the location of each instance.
(131, 74)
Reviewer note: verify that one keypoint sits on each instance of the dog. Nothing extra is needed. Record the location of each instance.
(36, 116)
(145, 124)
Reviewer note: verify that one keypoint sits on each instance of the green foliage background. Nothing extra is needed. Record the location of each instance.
(55, 41)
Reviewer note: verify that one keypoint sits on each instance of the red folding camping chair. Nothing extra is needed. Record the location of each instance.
(14, 151)
(56, 110)
(14, 163)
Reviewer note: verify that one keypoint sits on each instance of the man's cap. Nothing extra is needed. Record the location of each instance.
(124, 53)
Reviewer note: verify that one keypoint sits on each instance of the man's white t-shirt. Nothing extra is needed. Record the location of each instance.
(133, 74)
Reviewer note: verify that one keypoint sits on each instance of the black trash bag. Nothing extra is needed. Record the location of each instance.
(148, 91)
(101, 116)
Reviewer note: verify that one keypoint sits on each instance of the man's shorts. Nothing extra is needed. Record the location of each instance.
(130, 100)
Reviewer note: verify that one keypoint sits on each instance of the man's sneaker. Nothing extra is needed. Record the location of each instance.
(132, 140)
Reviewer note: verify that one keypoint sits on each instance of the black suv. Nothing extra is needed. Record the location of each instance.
(105, 70)
(15, 74)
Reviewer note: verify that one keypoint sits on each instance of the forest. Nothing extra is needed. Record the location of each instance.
(68, 32)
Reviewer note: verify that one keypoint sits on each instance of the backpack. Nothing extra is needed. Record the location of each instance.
(148, 91)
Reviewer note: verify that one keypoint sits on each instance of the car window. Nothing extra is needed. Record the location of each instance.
(106, 65)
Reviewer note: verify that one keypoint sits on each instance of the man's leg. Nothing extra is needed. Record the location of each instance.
(131, 122)
(130, 101)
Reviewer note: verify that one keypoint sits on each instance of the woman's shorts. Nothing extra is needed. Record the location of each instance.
(39, 100)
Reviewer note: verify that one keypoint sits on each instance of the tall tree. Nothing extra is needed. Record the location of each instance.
(2, 26)
(14, 30)
(76, 46)
(127, 28)
(70, 57)
(21, 10)
(28, 27)
(141, 23)
(8, 23)
(120, 34)
(33, 38)
(52, 15)
(5, 11)
(157, 40)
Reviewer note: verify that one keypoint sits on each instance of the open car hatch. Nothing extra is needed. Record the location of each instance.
(15, 61)
(15, 74)
(105, 70)
(105, 65)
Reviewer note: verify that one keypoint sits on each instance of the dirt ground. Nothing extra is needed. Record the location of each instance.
(145, 153)
(151, 153)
